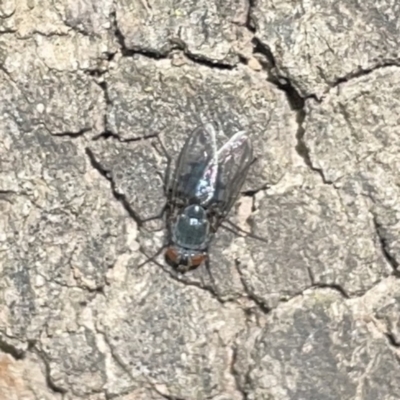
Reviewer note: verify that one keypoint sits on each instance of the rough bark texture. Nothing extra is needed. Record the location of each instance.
(306, 307)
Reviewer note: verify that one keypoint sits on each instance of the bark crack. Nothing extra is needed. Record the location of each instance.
(120, 197)
(363, 72)
(175, 44)
(384, 247)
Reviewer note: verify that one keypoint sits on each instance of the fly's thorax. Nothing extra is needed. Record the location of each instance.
(191, 228)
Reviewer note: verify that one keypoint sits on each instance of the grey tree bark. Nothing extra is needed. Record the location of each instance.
(87, 87)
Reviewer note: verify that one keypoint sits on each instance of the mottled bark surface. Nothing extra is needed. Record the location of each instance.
(309, 310)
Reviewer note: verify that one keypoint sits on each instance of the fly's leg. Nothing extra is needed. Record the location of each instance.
(234, 231)
(152, 258)
(157, 216)
(166, 177)
(207, 264)
(241, 232)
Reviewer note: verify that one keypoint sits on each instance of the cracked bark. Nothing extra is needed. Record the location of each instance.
(121, 198)
(301, 145)
(389, 258)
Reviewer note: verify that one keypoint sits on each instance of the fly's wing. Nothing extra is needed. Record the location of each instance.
(234, 160)
(195, 174)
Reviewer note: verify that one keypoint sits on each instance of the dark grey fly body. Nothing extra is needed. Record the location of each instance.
(201, 191)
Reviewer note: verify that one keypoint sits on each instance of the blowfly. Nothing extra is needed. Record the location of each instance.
(201, 191)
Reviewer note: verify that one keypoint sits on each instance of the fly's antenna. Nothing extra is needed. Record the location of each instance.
(167, 173)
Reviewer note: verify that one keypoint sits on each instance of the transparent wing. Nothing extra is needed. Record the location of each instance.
(195, 175)
(234, 160)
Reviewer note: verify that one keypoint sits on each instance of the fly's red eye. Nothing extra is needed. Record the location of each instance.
(197, 259)
(172, 255)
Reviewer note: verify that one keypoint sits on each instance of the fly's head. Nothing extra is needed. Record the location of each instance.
(184, 260)
(189, 238)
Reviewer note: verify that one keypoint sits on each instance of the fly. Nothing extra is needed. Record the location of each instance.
(201, 191)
